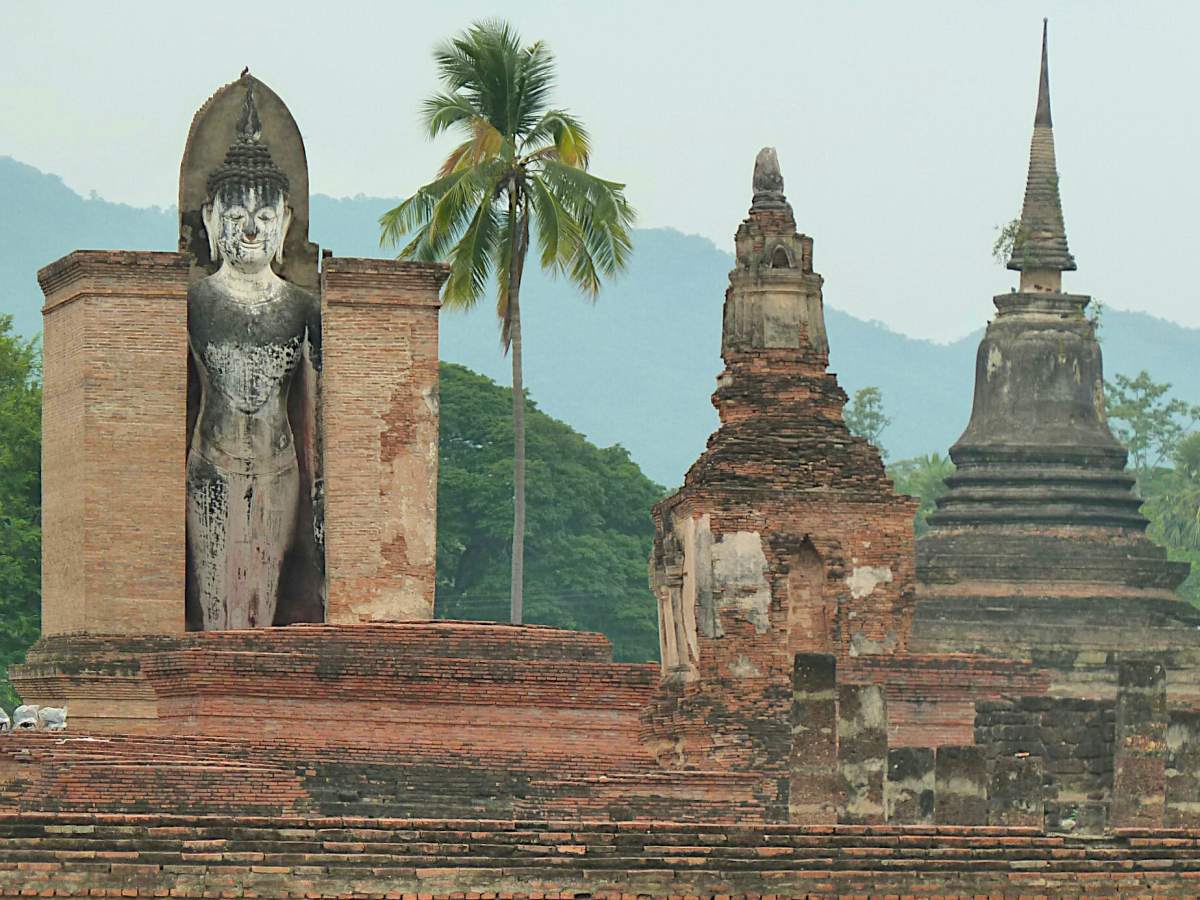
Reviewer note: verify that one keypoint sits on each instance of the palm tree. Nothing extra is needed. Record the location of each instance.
(519, 159)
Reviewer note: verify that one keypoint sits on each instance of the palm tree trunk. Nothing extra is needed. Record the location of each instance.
(519, 243)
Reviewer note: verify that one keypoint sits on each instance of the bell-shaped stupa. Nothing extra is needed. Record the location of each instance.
(1041, 525)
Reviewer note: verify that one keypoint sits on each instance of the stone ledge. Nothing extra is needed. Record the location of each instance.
(138, 273)
(354, 281)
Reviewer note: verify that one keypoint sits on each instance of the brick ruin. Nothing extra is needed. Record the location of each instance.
(1009, 708)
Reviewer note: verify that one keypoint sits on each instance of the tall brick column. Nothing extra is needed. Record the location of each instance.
(862, 748)
(380, 421)
(1139, 766)
(114, 432)
(909, 789)
(1182, 782)
(960, 786)
(813, 767)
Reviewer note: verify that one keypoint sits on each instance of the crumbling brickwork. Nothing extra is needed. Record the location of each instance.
(380, 420)
(786, 537)
(1073, 738)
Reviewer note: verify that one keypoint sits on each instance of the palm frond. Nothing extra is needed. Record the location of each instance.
(502, 256)
(603, 214)
(443, 111)
(449, 216)
(400, 221)
(532, 87)
(558, 135)
(471, 260)
(558, 231)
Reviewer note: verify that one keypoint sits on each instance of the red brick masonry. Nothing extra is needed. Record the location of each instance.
(67, 855)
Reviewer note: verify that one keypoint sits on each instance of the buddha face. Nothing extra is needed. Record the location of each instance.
(246, 229)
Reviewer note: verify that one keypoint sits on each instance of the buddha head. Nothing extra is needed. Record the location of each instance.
(247, 215)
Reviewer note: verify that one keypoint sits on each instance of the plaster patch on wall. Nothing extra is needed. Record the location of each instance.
(861, 645)
(739, 569)
(864, 579)
(704, 608)
(993, 361)
(743, 668)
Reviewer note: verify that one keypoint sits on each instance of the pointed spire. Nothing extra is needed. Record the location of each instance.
(1042, 117)
(1041, 241)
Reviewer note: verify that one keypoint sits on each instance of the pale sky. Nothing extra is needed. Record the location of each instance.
(902, 128)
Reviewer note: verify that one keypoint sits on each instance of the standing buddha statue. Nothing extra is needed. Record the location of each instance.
(247, 332)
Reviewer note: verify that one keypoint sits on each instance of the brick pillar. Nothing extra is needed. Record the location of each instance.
(862, 753)
(1015, 794)
(1140, 756)
(908, 792)
(379, 401)
(813, 778)
(1182, 786)
(114, 437)
(960, 786)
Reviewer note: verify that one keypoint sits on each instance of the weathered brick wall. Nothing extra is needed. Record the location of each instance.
(1075, 741)
(931, 697)
(114, 419)
(380, 421)
(324, 859)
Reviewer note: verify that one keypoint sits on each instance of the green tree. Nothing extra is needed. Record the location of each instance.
(1147, 420)
(520, 159)
(20, 500)
(1173, 507)
(589, 526)
(922, 477)
(864, 416)
(1009, 238)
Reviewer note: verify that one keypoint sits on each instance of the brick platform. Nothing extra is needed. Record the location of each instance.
(323, 859)
(344, 683)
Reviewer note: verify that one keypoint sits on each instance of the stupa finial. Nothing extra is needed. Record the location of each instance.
(1040, 251)
(768, 180)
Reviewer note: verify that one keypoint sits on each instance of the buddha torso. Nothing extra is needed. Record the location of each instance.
(246, 352)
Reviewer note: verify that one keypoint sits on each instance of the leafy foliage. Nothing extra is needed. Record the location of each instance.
(1009, 238)
(922, 477)
(865, 417)
(1157, 429)
(518, 158)
(20, 500)
(589, 527)
(1149, 422)
(1173, 507)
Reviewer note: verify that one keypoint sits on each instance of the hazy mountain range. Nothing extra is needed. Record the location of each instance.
(636, 367)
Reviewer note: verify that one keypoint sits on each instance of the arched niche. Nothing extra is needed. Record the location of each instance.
(810, 625)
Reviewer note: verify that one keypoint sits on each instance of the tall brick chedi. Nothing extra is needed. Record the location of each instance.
(1039, 540)
(787, 536)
